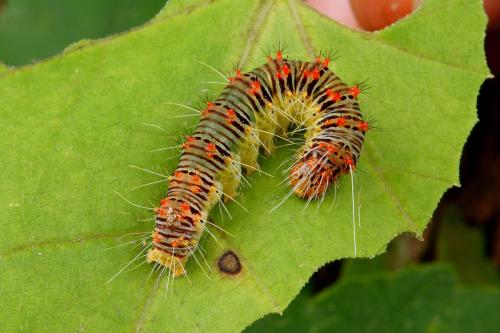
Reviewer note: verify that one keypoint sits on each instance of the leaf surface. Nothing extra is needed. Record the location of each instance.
(73, 124)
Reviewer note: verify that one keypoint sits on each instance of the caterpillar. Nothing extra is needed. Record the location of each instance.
(253, 108)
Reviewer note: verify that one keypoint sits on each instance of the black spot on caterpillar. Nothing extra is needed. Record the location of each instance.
(254, 108)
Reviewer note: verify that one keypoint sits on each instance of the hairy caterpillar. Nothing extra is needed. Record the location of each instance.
(252, 109)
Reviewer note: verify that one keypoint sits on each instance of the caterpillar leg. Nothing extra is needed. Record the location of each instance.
(249, 152)
(230, 178)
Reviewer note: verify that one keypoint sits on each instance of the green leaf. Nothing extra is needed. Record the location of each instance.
(31, 30)
(470, 262)
(71, 125)
(424, 299)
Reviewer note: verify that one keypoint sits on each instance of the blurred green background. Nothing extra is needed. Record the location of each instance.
(32, 30)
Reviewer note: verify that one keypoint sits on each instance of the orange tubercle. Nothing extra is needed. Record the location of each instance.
(254, 87)
(348, 160)
(285, 70)
(341, 121)
(185, 206)
(189, 142)
(364, 126)
(161, 212)
(230, 116)
(156, 237)
(210, 147)
(354, 91)
(334, 95)
(236, 76)
(315, 74)
(196, 179)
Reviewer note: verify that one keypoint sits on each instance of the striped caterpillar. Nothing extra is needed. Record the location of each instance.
(252, 109)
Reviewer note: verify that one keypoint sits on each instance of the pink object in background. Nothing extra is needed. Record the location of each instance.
(376, 14)
(368, 15)
(338, 10)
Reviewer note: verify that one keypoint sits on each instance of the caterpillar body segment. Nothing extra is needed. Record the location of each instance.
(254, 108)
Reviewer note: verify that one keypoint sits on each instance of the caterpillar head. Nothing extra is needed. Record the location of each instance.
(318, 167)
(311, 177)
(172, 242)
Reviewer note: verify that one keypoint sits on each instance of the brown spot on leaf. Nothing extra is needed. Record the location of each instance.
(229, 263)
